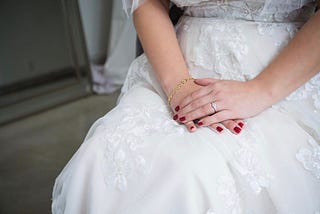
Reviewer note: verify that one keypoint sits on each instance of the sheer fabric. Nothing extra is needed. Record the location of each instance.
(130, 5)
(137, 160)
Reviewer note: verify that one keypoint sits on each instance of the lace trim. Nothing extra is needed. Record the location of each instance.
(310, 158)
(252, 10)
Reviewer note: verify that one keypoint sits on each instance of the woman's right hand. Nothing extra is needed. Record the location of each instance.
(187, 89)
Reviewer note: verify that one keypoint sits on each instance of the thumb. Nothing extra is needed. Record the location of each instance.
(205, 81)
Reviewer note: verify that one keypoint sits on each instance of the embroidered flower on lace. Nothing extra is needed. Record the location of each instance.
(125, 138)
(138, 71)
(227, 190)
(270, 29)
(309, 90)
(253, 10)
(310, 158)
(225, 57)
(247, 161)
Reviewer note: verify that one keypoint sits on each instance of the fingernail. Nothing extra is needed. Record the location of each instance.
(192, 127)
(182, 119)
(177, 108)
(219, 129)
(175, 117)
(237, 129)
(241, 124)
(200, 123)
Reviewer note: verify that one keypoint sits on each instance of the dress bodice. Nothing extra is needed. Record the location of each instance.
(254, 10)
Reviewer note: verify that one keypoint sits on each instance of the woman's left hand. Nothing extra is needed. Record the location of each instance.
(221, 100)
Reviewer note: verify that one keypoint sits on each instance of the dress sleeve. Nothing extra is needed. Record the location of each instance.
(129, 6)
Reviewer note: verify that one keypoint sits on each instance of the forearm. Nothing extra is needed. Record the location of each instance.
(159, 41)
(295, 65)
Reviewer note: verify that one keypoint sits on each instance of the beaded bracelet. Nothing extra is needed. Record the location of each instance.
(177, 88)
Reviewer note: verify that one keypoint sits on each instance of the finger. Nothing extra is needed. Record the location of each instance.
(232, 126)
(205, 81)
(217, 127)
(197, 103)
(240, 123)
(202, 111)
(175, 117)
(194, 95)
(215, 118)
(191, 126)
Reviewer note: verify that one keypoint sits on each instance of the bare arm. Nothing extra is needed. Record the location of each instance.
(160, 44)
(159, 41)
(294, 66)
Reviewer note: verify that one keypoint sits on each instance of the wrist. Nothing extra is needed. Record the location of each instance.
(264, 92)
(188, 88)
(170, 84)
(179, 87)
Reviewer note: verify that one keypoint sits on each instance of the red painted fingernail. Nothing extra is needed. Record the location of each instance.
(177, 108)
(192, 127)
(237, 129)
(200, 123)
(182, 119)
(175, 117)
(219, 129)
(241, 124)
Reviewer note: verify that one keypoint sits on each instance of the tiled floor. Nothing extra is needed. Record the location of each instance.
(34, 150)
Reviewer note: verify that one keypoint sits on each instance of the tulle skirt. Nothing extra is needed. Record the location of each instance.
(136, 159)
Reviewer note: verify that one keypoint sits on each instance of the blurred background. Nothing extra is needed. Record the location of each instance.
(62, 63)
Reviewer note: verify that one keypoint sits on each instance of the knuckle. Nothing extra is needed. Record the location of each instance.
(190, 115)
(193, 105)
(228, 123)
(203, 110)
(219, 117)
(207, 121)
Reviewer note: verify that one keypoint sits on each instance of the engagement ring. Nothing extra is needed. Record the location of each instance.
(214, 106)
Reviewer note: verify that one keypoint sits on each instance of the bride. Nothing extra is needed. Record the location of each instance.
(221, 115)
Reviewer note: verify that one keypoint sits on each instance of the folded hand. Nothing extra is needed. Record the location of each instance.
(221, 101)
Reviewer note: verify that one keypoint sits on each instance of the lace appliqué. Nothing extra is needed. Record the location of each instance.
(138, 71)
(271, 29)
(227, 190)
(247, 161)
(230, 197)
(309, 90)
(126, 138)
(253, 10)
(310, 158)
(221, 54)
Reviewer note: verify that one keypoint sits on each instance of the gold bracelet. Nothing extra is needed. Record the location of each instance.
(177, 88)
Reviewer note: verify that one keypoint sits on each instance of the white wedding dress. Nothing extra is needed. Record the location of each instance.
(137, 160)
